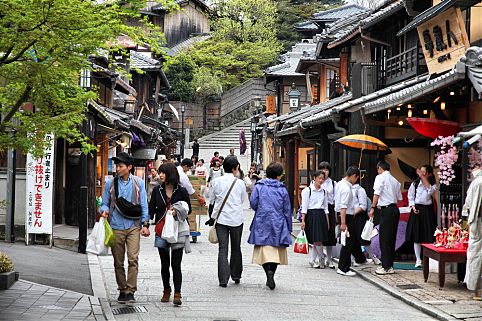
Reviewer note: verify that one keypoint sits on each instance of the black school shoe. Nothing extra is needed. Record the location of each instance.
(223, 285)
(130, 298)
(237, 281)
(122, 298)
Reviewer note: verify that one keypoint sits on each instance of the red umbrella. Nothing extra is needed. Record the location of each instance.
(434, 128)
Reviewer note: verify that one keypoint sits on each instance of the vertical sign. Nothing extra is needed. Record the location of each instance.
(271, 105)
(40, 179)
(444, 40)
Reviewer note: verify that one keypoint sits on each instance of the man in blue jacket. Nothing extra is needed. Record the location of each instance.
(128, 214)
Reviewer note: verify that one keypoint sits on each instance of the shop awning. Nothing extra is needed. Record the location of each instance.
(408, 94)
(119, 119)
(144, 153)
(436, 10)
(140, 126)
(355, 104)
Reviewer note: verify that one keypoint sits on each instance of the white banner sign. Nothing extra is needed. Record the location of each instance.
(40, 185)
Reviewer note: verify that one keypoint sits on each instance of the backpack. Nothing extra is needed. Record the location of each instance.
(369, 202)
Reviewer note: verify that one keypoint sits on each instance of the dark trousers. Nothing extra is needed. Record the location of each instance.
(389, 219)
(233, 268)
(175, 263)
(352, 246)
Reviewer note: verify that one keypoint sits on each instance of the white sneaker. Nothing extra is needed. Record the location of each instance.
(330, 264)
(382, 271)
(316, 264)
(368, 261)
(354, 264)
(376, 261)
(390, 271)
(418, 263)
(349, 273)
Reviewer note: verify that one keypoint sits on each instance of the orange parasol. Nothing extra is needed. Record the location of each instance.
(361, 142)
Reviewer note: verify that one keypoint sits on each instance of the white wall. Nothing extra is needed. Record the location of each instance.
(19, 198)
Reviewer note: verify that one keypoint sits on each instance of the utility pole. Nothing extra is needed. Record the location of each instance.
(11, 176)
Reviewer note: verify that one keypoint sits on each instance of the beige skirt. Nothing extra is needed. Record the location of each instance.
(270, 254)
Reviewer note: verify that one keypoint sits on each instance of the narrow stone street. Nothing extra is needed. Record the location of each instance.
(302, 293)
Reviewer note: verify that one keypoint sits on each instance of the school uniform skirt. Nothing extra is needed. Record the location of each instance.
(421, 226)
(316, 226)
(331, 237)
(360, 221)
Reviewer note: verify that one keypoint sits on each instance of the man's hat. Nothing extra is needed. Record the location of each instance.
(123, 158)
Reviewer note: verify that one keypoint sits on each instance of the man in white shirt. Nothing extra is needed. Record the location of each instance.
(230, 219)
(344, 205)
(386, 194)
(182, 169)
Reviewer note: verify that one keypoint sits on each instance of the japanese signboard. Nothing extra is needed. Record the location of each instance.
(39, 190)
(271, 105)
(444, 40)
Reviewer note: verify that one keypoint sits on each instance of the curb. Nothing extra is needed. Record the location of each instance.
(99, 287)
(416, 303)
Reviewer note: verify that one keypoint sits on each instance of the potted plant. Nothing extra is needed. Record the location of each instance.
(7, 274)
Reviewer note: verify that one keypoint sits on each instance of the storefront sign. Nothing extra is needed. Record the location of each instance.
(444, 40)
(271, 105)
(39, 190)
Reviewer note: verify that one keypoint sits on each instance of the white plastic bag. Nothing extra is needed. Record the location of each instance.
(170, 229)
(343, 236)
(367, 230)
(95, 244)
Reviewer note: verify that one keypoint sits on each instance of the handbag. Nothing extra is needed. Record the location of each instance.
(367, 230)
(126, 208)
(213, 235)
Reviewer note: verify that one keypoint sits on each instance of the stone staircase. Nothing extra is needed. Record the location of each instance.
(221, 141)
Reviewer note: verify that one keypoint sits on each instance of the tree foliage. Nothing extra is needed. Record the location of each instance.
(244, 41)
(180, 72)
(43, 46)
(291, 12)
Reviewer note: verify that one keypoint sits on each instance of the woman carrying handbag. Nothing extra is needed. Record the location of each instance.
(272, 223)
(170, 198)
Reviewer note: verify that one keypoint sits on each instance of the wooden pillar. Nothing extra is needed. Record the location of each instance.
(322, 90)
(344, 68)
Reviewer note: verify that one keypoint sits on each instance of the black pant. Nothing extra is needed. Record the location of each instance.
(352, 246)
(388, 234)
(175, 263)
(234, 267)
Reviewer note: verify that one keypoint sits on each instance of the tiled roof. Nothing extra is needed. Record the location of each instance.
(338, 13)
(291, 60)
(346, 29)
(381, 14)
(186, 44)
(420, 89)
(306, 25)
(327, 113)
(143, 62)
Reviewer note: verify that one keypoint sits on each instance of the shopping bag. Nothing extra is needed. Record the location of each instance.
(109, 235)
(343, 237)
(96, 243)
(301, 243)
(367, 230)
(170, 230)
(213, 235)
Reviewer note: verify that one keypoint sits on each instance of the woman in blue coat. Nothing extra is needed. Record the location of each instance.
(272, 223)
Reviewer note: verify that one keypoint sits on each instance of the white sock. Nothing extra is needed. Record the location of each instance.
(418, 251)
(329, 253)
(369, 250)
(314, 253)
(319, 249)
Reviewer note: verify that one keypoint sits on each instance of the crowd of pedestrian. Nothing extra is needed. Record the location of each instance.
(331, 213)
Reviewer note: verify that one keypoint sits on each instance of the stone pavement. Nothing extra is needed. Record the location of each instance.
(27, 301)
(454, 301)
(301, 293)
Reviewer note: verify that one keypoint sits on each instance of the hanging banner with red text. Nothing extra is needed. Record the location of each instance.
(39, 190)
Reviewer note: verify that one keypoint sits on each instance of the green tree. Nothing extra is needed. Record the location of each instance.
(44, 44)
(291, 12)
(208, 85)
(180, 72)
(244, 41)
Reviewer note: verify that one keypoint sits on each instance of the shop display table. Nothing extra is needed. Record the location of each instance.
(443, 255)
